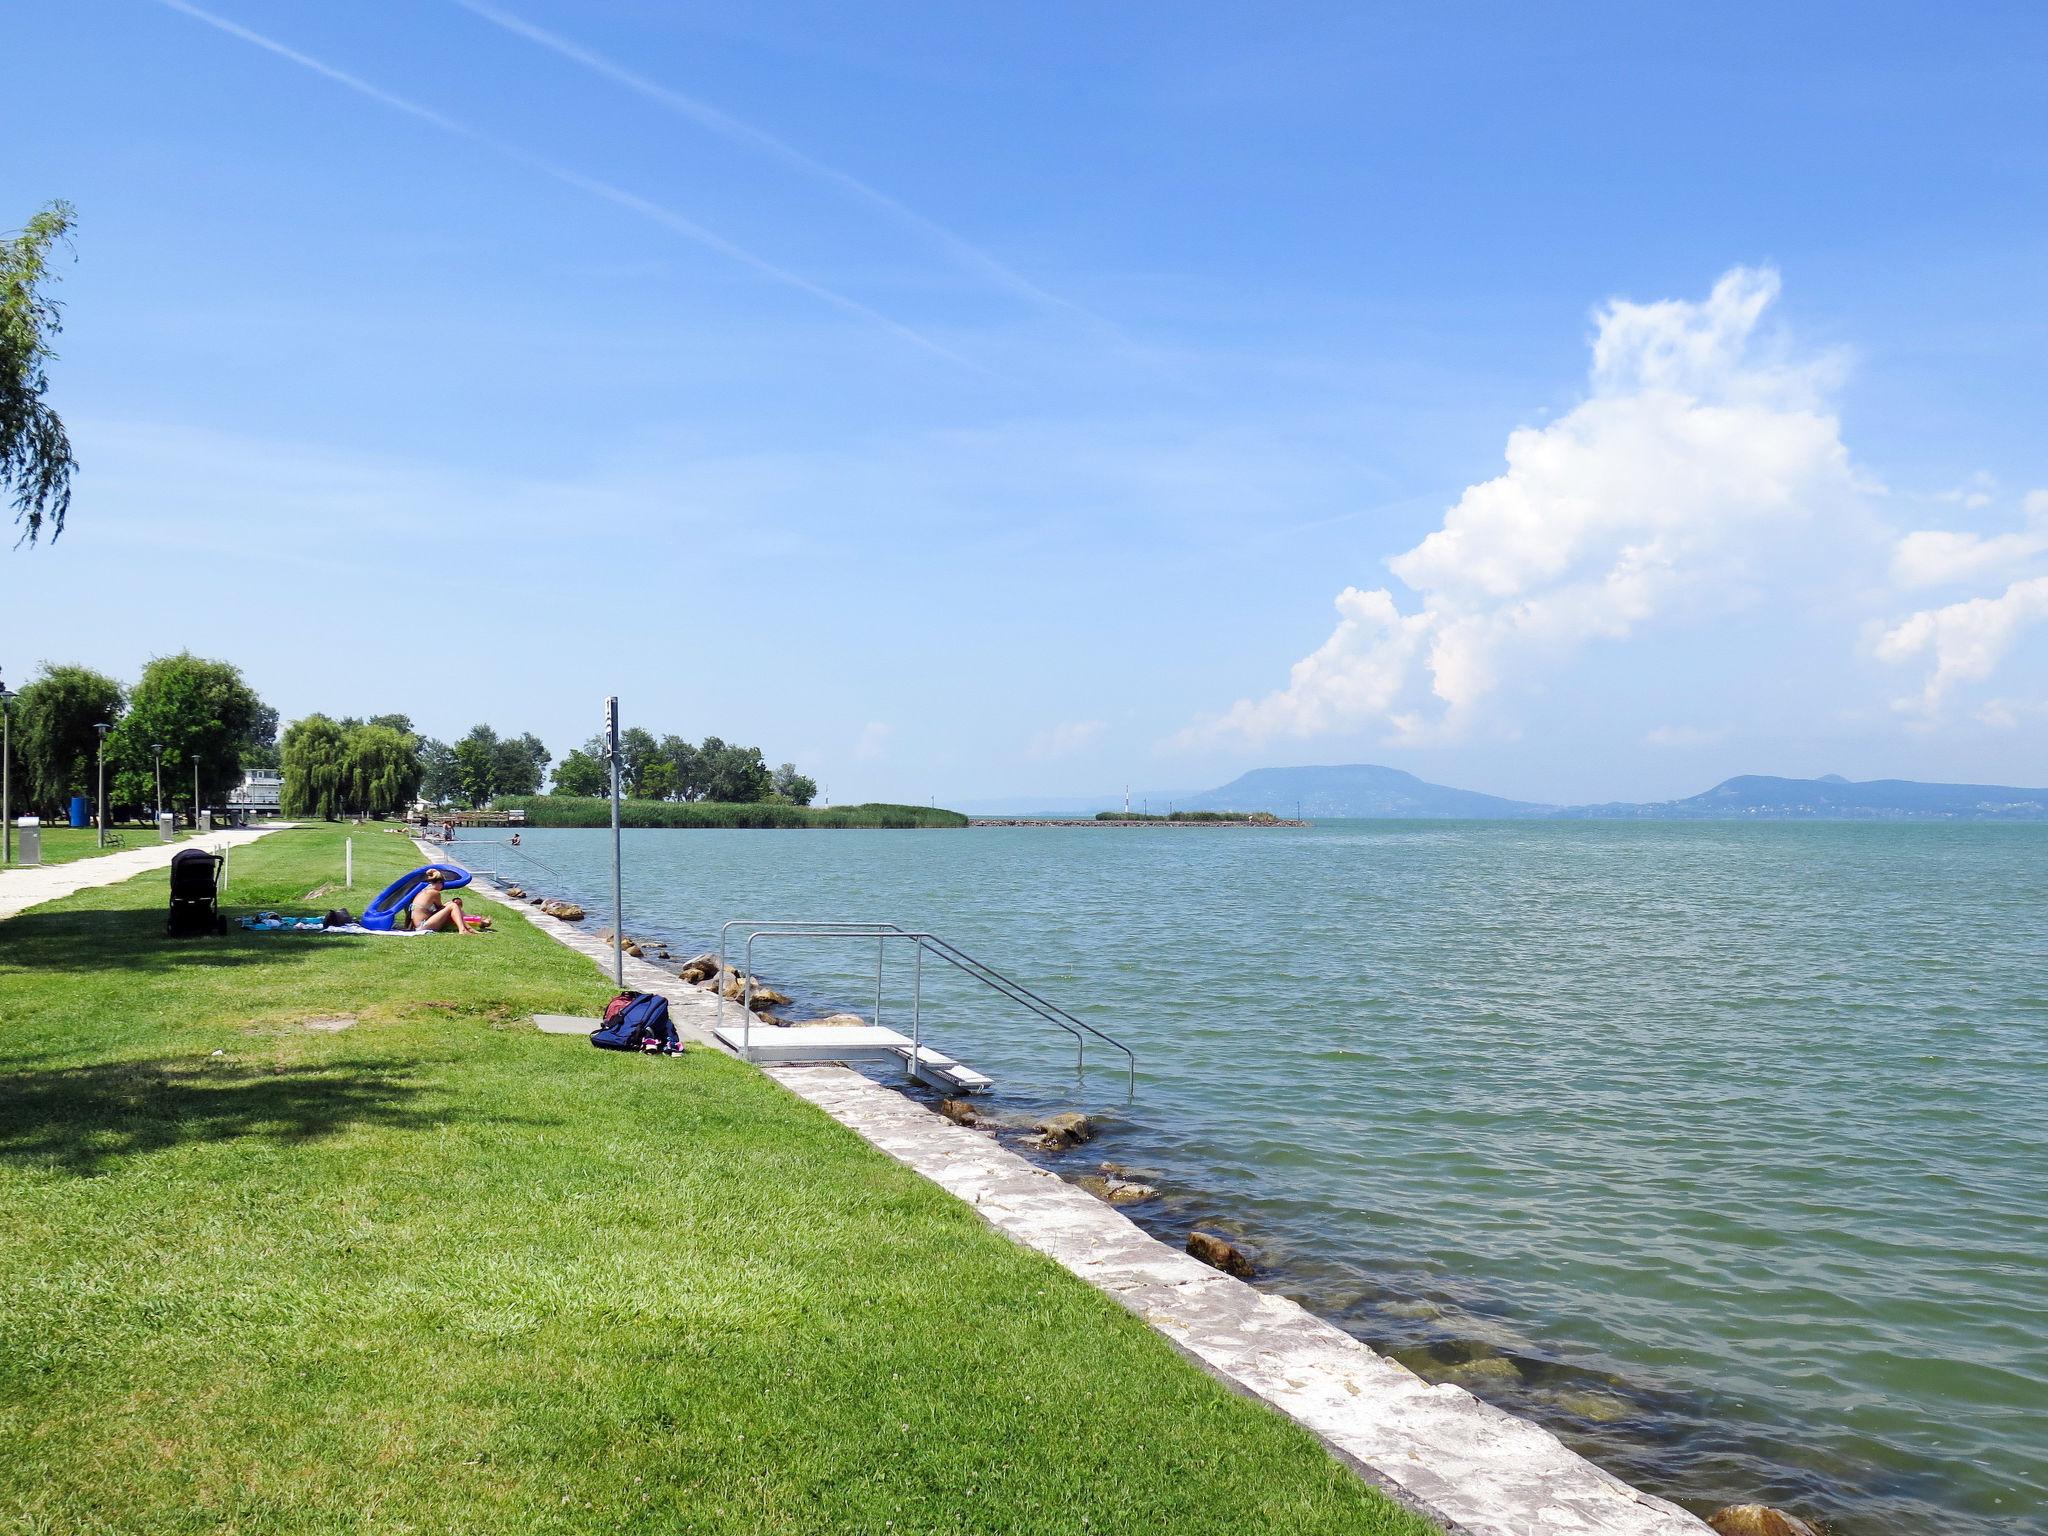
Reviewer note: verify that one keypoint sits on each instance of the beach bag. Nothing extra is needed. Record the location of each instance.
(637, 1021)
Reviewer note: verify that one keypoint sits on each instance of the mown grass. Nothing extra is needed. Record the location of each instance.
(436, 1272)
(62, 845)
(577, 811)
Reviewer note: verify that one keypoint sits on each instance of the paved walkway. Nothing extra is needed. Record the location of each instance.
(1473, 1468)
(21, 889)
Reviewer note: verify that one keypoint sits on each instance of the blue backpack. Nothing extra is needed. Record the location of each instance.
(641, 1025)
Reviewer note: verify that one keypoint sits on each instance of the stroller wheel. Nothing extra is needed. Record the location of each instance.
(220, 926)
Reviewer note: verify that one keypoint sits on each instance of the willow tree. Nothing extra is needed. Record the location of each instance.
(314, 762)
(35, 451)
(381, 770)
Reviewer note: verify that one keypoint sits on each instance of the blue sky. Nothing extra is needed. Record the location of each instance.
(1574, 403)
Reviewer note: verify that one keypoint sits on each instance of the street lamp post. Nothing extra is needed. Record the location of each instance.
(100, 804)
(159, 781)
(6, 763)
(195, 791)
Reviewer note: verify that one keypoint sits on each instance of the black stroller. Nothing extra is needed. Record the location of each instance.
(195, 894)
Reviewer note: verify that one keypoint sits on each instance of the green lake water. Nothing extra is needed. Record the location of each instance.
(1721, 1149)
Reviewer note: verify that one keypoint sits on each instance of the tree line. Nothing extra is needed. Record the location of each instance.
(186, 715)
(670, 768)
(187, 712)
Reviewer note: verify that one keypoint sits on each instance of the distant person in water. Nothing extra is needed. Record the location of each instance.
(433, 912)
(515, 839)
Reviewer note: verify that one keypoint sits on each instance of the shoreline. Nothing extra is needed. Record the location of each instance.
(1361, 1403)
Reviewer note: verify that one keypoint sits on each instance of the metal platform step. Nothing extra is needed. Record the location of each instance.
(825, 1042)
(935, 1069)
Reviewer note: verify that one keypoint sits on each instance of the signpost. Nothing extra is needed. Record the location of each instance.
(611, 751)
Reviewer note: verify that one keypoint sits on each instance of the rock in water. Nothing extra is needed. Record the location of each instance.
(767, 997)
(515, 892)
(1757, 1520)
(567, 911)
(960, 1112)
(1218, 1254)
(1067, 1130)
(1116, 1191)
(840, 1020)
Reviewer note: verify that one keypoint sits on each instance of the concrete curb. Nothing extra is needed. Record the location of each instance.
(1473, 1468)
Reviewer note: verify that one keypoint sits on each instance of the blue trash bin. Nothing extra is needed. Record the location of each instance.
(79, 818)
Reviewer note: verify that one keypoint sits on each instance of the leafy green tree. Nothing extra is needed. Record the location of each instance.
(796, 788)
(314, 761)
(35, 451)
(197, 708)
(383, 770)
(520, 763)
(53, 733)
(261, 749)
(399, 723)
(476, 764)
(735, 774)
(682, 758)
(581, 774)
(440, 780)
(658, 780)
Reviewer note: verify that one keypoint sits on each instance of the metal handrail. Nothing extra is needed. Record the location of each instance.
(944, 949)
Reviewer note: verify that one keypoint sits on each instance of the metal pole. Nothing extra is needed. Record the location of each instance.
(611, 726)
(917, 1008)
(878, 983)
(195, 791)
(100, 808)
(159, 781)
(6, 786)
(349, 863)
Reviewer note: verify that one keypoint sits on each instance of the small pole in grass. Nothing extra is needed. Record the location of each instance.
(349, 863)
(611, 750)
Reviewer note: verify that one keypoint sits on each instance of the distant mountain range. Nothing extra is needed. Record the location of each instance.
(1366, 790)
(1354, 789)
(1759, 797)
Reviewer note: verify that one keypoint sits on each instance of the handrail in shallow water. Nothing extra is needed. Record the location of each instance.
(923, 942)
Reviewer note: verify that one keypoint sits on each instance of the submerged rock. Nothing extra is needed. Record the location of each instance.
(844, 1020)
(566, 911)
(1116, 1191)
(960, 1112)
(1757, 1520)
(1593, 1407)
(764, 998)
(1065, 1130)
(1487, 1370)
(517, 893)
(1217, 1254)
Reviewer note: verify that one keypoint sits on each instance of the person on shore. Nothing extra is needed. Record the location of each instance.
(433, 912)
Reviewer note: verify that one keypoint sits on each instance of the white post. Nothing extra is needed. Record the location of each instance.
(611, 739)
(349, 862)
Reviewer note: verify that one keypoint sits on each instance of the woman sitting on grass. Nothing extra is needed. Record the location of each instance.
(431, 911)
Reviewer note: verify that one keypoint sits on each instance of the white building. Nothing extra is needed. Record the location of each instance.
(261, 792)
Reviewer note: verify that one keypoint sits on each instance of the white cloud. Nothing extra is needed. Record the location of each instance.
(1688, 471)
(873, 744)
(1966, 640)
(1683, 736)
(1937, 557)
(1066, 738)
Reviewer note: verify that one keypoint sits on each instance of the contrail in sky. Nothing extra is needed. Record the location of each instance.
(668, 219)
(729, 127)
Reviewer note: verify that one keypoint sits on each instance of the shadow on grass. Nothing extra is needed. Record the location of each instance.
(132, 941)
(87, 1119)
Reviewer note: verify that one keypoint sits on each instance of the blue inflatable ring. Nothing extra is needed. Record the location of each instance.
(383, 913)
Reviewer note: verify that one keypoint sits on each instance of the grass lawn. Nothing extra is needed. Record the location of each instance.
(62, 844)
(436, 1272)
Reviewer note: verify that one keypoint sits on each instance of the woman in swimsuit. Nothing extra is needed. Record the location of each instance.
(430, 911)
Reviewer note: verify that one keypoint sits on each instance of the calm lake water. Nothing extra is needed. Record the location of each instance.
(1721, 1149)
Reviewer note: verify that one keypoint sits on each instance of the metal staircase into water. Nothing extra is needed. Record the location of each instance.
(876, 1042)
